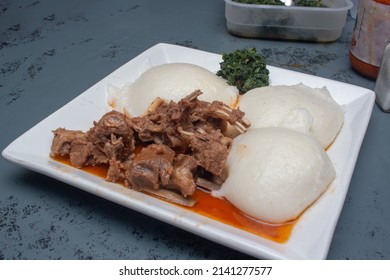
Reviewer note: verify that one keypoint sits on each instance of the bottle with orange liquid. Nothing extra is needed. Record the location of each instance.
(370, 36)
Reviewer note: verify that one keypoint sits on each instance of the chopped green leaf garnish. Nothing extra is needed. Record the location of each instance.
(301, 3)
(245, 69)
(261, 2)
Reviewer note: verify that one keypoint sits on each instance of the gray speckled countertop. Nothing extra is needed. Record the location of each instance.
(51, 51)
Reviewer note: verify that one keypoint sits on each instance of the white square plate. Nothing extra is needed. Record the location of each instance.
(311, 236)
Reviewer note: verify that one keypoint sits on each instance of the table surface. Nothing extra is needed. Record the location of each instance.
(51, 51)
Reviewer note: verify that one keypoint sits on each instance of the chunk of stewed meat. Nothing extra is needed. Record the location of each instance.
(62, 141)
(151, 168)
(183, 174)
(211, 150)
(110, 123)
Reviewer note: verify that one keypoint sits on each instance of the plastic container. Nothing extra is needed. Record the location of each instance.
(288, 22)
(370, 37)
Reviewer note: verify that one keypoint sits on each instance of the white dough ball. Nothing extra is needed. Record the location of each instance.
(172, 81)
(274, 174)
(298, 107)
